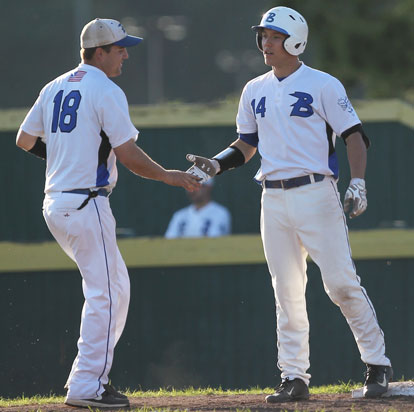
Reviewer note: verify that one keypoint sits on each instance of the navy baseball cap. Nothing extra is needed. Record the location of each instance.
(101, 32)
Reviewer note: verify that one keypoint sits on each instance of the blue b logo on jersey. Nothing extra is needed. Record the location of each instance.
(302, 107)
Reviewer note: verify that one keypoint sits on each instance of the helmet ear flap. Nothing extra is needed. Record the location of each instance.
(294, 45)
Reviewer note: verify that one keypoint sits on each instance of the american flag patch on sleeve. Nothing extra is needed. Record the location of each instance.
(77, 76)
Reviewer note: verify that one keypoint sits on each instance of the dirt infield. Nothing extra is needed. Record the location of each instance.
(209, 403)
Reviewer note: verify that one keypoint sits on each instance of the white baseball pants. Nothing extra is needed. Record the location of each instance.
(310, 220)
(88, 237)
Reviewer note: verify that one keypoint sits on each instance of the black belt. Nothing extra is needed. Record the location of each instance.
(294, 182)
(91, 194)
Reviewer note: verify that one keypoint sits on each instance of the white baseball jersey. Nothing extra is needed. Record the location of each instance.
(81, 116)
(294, 122)
(212, 220)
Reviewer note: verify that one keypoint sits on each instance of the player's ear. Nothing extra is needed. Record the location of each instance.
(99, 52)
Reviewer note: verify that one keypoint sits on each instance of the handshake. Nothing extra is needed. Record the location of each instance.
(205, 168)
(202, 167)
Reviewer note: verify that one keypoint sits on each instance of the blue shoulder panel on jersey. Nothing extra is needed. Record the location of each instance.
(250, 138)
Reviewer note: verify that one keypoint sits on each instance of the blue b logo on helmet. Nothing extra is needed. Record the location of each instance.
(271, 17)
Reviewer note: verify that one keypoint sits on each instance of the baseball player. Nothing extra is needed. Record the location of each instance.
(292, 115)
(80, 124)
(203, 218)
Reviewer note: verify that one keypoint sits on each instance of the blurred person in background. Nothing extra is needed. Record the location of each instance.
(203, 218)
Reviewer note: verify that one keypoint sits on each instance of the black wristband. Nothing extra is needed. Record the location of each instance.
(230, 158)
(39, 149)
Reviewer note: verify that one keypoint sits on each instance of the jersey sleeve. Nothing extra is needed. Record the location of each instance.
(33, 122)
(245, 120)
(115, 119)
(337, 108)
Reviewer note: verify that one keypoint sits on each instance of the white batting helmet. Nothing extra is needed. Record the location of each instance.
(287, 21)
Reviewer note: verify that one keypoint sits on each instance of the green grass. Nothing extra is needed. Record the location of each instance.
(32, 400)
(342, 387)
(35, 403)
(190, 391)
(51, 399)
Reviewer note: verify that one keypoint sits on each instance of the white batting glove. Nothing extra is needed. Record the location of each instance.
(203, 168)
(355, 200)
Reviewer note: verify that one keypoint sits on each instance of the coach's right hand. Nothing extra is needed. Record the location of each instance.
(178, 178)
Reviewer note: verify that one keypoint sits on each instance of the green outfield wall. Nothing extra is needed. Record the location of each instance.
(195, 326)
(143, 207)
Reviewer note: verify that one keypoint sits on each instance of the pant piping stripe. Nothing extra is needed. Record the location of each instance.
(353, 264)
(110, 299)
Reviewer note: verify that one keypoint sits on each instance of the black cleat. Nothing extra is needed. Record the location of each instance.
(105, 400)
(377, 378)
(289, 390)
(112, 391)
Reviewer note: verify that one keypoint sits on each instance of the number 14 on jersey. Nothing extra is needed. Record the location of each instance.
(260, 108)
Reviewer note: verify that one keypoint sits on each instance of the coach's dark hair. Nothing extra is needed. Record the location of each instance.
(87, 54)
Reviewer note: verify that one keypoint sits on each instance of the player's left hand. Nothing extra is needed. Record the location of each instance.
(355, 200)
(203, 167)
